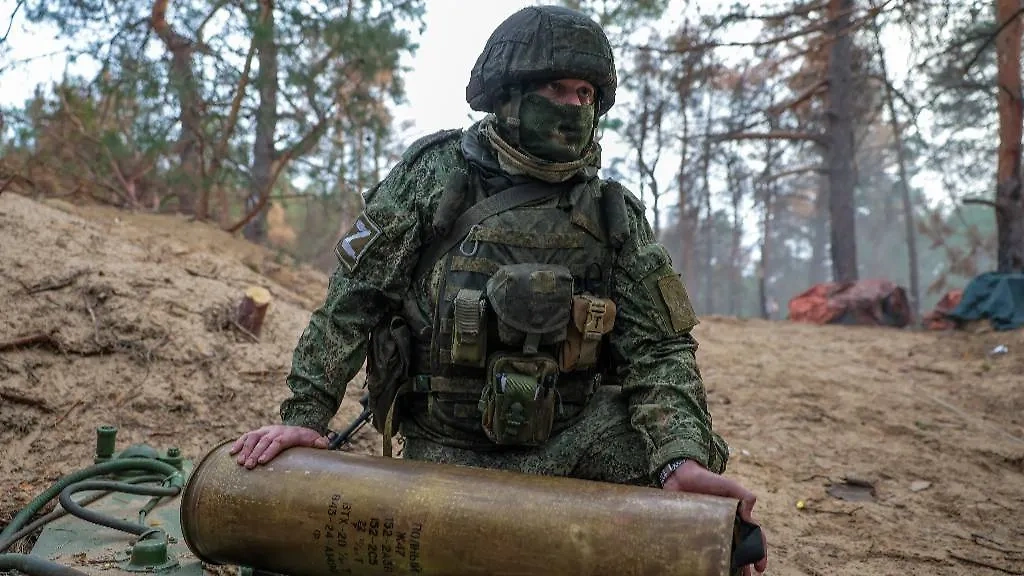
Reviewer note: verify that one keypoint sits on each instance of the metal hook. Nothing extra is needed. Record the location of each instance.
(476, 244)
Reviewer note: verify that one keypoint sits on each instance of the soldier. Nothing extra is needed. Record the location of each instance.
(514, 308)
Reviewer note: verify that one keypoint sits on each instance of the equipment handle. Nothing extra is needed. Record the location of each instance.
(343, 437)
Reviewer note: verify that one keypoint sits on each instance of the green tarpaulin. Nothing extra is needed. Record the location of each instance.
(996, 297)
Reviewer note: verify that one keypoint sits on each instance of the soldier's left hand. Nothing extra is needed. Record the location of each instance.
(692, 477)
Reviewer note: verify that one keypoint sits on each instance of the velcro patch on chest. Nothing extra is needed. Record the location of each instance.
(351, 248)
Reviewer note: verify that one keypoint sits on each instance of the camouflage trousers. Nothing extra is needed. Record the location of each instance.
(601, 446)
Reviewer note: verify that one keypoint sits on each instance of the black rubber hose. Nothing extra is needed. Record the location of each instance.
(109, 521)
(35, 566)
(60, 512)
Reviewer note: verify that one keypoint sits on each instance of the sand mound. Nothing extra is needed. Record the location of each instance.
(873, 451)
(127, 314)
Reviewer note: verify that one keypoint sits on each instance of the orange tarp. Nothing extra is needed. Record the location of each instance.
(872, 302)
(937, 319)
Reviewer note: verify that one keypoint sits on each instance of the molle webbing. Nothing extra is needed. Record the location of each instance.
(561, 231)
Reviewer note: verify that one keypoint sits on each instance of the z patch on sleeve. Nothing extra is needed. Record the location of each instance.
(357, 241)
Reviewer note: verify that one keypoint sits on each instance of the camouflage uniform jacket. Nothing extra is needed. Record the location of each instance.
(651, 343)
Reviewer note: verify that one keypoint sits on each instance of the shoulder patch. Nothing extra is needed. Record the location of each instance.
(357, 240)
(680, 311)
(416, 148)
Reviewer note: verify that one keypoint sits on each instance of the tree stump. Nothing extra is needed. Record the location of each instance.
(251, 311)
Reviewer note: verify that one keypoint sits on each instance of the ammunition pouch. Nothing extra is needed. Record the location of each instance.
(387, 371)
(591, 319)
(531, 304)
(518, 401)
(469, 333)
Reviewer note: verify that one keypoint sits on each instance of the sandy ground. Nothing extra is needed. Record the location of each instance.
(872, 451)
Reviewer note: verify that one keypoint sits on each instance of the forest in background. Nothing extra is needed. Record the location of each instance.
(773, 146)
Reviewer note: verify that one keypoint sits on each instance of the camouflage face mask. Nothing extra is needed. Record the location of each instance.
(554, 132)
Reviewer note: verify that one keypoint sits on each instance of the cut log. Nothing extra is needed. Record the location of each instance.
(251, 311)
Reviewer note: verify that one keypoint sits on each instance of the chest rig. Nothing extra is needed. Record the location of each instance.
(521, 311)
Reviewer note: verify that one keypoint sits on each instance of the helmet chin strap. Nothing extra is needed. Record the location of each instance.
(597, 120)
(512, 120)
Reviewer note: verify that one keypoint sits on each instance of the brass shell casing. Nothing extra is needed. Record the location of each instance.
(314, 512)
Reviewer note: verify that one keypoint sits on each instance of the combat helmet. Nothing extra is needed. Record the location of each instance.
(539, 43)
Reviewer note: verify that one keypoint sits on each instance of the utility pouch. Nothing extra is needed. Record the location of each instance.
(518, 401)
(469, 335)
(387, 368)
(531, 304)
(590, 320)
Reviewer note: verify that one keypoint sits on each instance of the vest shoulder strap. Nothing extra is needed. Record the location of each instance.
(507, 199)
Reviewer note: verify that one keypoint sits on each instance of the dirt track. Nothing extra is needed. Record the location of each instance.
(134, 337)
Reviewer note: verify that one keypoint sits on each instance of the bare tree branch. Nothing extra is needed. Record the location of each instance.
(280, 163)
(800, 98)
(127, 187)
(774, 135)
(984, 202)
(232, 119)
(990, 38)
(800, 11)
(11, 23)
(213, 12)
(854, 25)
(796, 171)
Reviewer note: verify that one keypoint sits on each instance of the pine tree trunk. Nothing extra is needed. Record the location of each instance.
(842, 179)
(263, 150)
(816, 272)
(1009, 201)
(186, 86)
(904, 184)
(735, 272)
(709, 231)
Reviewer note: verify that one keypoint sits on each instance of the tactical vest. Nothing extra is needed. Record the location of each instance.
(521, 315)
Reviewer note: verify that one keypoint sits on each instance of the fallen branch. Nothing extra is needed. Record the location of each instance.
(266, 372)
(199, 274)
(244, 332)
(67, 412)
(987, 542)
(19, 398)
(986, 564)
(939, 371)
(837, 512)
(54, 283)
(26, 341)
(970, 418)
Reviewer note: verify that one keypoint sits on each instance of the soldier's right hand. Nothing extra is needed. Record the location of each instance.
(262, 445)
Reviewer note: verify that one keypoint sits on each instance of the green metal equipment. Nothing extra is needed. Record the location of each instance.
(118, 516)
